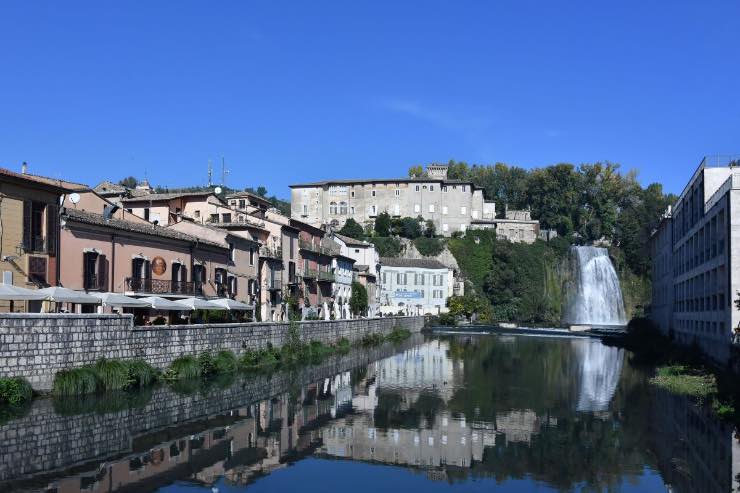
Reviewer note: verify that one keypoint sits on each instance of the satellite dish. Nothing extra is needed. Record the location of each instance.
(217, 190)
(74, 198)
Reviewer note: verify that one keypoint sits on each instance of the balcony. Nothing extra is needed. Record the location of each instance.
(309, 274)
(325, 276)
(314, 247)
(271, 252)
(275, 284)
(160, 286)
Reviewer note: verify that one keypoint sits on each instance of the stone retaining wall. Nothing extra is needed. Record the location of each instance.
(37, 346)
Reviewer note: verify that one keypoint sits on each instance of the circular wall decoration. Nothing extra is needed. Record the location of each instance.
(159, 266)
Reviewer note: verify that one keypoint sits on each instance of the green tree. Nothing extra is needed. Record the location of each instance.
(430, 231)
(407, 227)
(261, 191)
(417, 172)
(352, 229)
(358, 299)
(383, 224)
(129, 182)
(465, 306)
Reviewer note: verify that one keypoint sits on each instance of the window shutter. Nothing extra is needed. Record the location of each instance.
(85, 273)
(27, 204)
(52, 228)
(147, 269)
(102, 273)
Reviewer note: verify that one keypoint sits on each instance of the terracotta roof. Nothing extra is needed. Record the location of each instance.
(352, 241)
(123, 225)
(420, 263)
(165, 196)
(109, 187)
(59, 185)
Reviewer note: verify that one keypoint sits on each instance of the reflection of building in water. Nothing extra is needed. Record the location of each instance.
(424, 367)
(600, 369)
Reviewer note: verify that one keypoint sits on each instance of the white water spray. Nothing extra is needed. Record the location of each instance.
(595, 296)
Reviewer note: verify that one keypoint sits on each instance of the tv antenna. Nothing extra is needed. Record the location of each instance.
(224, 171)
(210, 173)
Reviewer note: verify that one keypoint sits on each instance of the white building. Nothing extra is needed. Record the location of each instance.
(366, 266)
(342, 286)
(697, 253)
(414, 286)
(450, 204)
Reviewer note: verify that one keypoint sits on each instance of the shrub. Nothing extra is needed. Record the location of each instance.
(343, 345)
(372, 340)
(225, 362)
(387, 246)
(183, 368)
(205, 361)
(111, 374)
(429, 247)
(447, 319)
(141, 373)
(15, 391)
(82, 380)
(398, 334)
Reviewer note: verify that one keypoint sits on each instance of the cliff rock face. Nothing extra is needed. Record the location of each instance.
(445, 257)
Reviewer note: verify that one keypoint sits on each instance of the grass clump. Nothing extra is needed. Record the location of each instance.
(111, 374)
(372, 340)
(141, 373)
(76, 381)
(15, 391)
(343, 346)
(184, 368)
(225, 362)
(398, 334)
(680, 379)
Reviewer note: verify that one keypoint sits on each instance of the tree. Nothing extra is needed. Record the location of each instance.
(465, 306)
(430, 231)
(129, 182)
(407, 227)
(352, 229)
(358, 299)
(383, 224)
(261, 191)
(417, 172)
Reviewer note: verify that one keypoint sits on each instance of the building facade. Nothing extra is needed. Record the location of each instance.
(366, 267)
(414, 286)
(697, 250)
(450, 204)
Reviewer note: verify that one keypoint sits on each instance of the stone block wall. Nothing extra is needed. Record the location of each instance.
(37, 346)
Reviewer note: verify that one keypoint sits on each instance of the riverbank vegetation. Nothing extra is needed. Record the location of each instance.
(105, 375)
(683, 370)
(15, 391)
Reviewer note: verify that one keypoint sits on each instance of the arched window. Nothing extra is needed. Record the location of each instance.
(333, 208)
(343, 208)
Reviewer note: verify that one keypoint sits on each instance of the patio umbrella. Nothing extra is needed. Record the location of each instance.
(230, 304)
(199, 304)
(158, 303)
(65, 295)
(115, 299)
(9, 292)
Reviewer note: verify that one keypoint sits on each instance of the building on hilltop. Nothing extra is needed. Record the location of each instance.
(696, 261)
(414, 286)
(450, 204)
(516, 226)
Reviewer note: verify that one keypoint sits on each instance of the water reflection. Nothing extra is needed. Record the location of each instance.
(545, 413)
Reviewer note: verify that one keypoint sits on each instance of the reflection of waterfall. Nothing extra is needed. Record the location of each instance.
(600, 367)
(594, 295)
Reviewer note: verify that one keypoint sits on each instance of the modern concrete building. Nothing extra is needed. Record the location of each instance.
(697, 253)
(450, 204)
(414, 286)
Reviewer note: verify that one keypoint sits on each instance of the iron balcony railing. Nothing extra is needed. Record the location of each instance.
(326, 276)
(275, 284)
(314, 247)
(161, 286)
(271, 252)
(309, 274)
(93, 282)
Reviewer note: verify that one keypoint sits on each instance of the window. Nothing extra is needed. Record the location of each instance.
(444, 209)
(251, 254)
(399, 279)
(232, 252)
(93, 268)
(398, 192)
(374, 210)
(214, 218)
(146, 213)
(232, 284)
(352, 210)
(352, 194)
(226, 217)
(305, 210)
(343, 208)
(463, 210)
(396, 210)
(444, 189)
(463, 188)
(233, 202)
(474, 214)
(242, 204)
(431, 188)
(431, 207)
(417, 188)
(333, 208)
(445, 227)
(417, 207)
(199, 278)
(37, 269)
(372, 193)
(196, 214)
(420, 282)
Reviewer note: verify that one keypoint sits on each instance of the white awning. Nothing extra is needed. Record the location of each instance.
(158, 303)
(115, 299)
(65, 295)
(199, 304)
(9, 292)
(230, 304)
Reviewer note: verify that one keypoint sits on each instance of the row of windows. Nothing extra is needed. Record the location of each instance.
(397, 191)
(704, 245)
(402, 278)
(702, 326)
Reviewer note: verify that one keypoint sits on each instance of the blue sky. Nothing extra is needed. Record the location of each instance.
(298, 91)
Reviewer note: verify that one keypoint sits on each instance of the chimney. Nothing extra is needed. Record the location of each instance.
(24, 168)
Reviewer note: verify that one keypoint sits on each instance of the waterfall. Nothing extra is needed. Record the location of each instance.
(594, 295)
(600, 367)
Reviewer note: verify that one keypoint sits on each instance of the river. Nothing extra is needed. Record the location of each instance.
(436, 413)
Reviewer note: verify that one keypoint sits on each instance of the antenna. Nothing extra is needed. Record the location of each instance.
(210, 173)
(224, 171)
